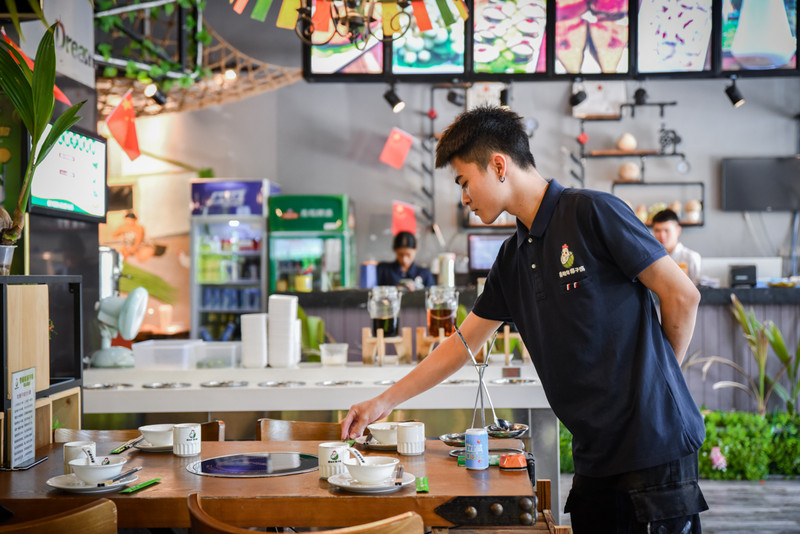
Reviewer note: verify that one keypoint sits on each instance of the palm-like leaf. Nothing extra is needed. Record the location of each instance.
(31, 94)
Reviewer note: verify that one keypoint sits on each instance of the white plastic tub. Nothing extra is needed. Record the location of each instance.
(166, 353)
(212, 354)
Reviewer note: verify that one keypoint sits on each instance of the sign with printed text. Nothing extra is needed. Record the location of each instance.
(23, 416)
(74, 38)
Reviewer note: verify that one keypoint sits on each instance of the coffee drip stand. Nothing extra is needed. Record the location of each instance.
(384, 308)
(373, 347)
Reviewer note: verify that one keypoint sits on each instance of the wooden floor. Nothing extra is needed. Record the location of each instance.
(768, 507)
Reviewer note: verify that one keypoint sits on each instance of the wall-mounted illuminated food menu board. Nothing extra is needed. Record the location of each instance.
(503, 40)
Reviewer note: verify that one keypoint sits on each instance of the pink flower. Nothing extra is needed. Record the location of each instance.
(718, 460)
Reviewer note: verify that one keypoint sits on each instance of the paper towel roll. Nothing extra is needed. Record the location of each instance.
(254, 340)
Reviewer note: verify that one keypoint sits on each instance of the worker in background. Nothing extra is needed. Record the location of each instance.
(667, 229)
(403, 271)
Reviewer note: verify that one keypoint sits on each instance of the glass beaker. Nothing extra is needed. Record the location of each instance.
(441, 304)
(384, 309)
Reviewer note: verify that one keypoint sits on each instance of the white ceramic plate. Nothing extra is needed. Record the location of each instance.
(375, 445)
(346, 482)
(73, 484)
(146, 446)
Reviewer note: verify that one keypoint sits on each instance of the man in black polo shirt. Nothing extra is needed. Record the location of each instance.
(576, 278)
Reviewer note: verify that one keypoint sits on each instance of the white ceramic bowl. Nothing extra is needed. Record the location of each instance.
(375, 470)
(157, 435)
(94, 473)
(385, 433)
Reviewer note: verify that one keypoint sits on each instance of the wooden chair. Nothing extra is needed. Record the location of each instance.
(210, 431)
(407, 523)
(96, 517)
(280, 430)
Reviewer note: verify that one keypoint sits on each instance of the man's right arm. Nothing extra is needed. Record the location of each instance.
(445, 359)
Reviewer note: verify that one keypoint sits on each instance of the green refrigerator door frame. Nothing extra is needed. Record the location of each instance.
(347, 258)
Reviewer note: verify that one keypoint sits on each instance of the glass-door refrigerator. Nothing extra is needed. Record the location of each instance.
(311, 243)
(229, 255)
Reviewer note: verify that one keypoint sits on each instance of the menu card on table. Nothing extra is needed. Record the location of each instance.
(23, 420)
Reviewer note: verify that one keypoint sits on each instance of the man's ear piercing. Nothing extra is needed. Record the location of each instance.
(502, 178)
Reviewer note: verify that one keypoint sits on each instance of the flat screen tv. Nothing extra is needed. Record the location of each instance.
(592, 38)
(674, 36)
(482, 250)
(509, 37)
(761, 184)
(71, 181)
(759, 36)
(435, 51)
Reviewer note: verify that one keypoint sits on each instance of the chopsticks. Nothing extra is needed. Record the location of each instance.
(127, 445)
(398, 478)
(119, 477)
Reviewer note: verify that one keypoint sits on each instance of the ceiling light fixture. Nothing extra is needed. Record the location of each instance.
(640, 97)
(456, 98)
(578, 94)
(734, 94)
(395, 101)
(230, 74)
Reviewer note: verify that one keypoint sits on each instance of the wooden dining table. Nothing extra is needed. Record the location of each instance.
(456, 497)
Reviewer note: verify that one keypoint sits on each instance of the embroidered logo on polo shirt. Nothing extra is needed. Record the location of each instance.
(567, 260)
(567, 257)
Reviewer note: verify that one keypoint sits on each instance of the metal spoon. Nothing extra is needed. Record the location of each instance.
(502, 423)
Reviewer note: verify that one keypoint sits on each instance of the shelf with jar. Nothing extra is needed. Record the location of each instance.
(686, 199)
(627, 145)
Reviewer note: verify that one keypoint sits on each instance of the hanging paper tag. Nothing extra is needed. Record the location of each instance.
(421, 15)
(461, 7)
(322, 15)
(239, 6)
(260, 11)
(447, 15)
(389, 9)
(396, 148)
(287, 16)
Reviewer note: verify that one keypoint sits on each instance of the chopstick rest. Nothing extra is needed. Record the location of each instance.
(143, 485)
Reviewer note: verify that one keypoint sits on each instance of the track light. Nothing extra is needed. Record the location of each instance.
(577, 96)
(735, 96)
(456, 98)
(152, 91)
(395, 101)
(640, 97)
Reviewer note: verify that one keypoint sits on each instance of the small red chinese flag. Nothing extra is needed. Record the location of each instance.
(404, 218)
(396, 148)
(122, 124)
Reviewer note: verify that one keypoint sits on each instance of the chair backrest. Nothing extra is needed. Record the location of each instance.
(407, 523)
(280, 430)
(210, 431)
(96, 517)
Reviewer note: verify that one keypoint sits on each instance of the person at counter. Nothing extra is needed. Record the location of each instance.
(667, 229)
(403, 271)
(576, 278)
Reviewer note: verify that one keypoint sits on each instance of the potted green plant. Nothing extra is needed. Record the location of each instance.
(31, 94)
